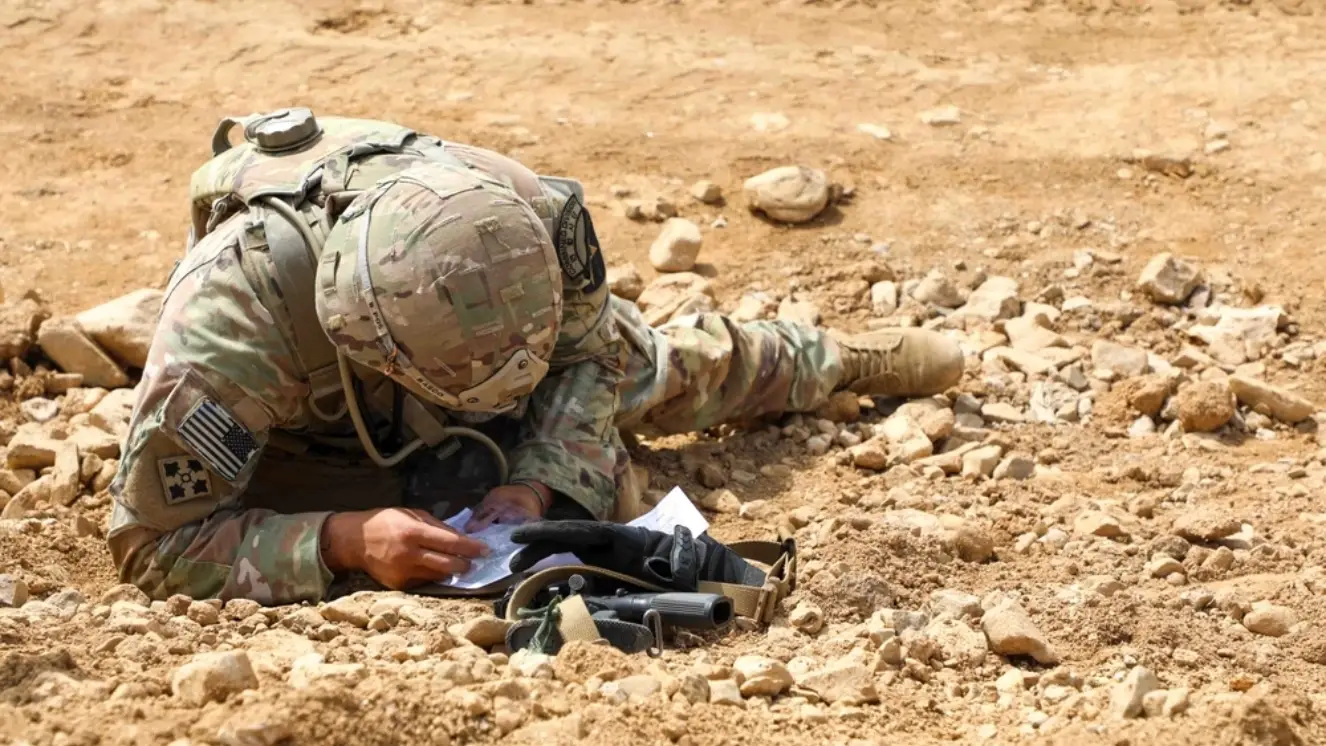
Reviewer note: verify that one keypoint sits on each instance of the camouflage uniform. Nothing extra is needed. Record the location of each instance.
(246, 522)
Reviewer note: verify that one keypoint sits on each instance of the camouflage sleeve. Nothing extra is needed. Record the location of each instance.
(219, 376)
(569, 440)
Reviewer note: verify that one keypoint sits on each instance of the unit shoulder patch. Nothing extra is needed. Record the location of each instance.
(578, 247)
(184, 478)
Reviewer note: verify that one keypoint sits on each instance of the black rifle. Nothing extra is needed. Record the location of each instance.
(698, 611)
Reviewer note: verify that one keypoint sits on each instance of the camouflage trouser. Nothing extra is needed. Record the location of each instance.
(695, 372)
(702, 370)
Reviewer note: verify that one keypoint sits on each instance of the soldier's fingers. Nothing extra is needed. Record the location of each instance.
(448, 541)
(481, 520)
(430, 519)
(439, 566)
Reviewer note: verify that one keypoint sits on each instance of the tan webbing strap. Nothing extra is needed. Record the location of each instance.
(747, 600)
(292, 263)
(574, 621)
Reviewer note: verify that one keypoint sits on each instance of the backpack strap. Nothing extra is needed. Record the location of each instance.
(293, 243)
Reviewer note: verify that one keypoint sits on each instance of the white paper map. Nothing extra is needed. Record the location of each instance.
(675, 509)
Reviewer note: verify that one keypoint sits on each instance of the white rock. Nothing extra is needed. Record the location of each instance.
(112, 413)
(1032, 333)
(1271, 401)
(625, 281)
(65, 477)
(1126, 699)
(958, 643)
(725, 692)
(39, 409)
(884, 297)
(124, 327)
(1269, 620)
(1012, 632)
(707, 192)
(265, 728)
(1121, 359)
(212, 677)
(806, 617)
(790, 194)
(753, 307)
(1240, 334)
(13, 592)
(762, 677)
(484, 631)
(1163, 565)
(1097, 523)
(1142, 427)
(769, 121)
(955, 603)
(642, 686)
(981, 462)
(936, 289)
(1001, 412)
(310, 668)
(1169, 279)
(847, 680)
(1015, 467)
(996, 298)
(818, 445)
(1027, 362)
(677, 246)
(942, 116)
(872, 454)
(1052, 401)
(879, 132)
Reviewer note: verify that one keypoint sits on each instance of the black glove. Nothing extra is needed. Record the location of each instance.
(677, 562)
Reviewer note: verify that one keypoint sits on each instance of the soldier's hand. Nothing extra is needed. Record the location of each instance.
(511, 503)
(398, 547)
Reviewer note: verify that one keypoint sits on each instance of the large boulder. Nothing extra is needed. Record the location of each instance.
(65, 343)
(124, 326)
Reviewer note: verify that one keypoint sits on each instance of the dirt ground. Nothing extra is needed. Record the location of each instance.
(109, 106)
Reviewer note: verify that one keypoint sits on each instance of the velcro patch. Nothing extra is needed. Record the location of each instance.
(214, 436)
(184, 478)
(578, 247)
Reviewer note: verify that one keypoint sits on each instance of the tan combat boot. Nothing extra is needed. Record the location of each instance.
(899, 362)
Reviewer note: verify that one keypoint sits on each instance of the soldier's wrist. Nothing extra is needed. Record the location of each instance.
(542, 492)
(341, 543)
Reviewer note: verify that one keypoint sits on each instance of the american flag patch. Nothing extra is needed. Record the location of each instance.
(214, 436)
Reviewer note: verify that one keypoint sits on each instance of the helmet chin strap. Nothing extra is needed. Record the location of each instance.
(356, 412)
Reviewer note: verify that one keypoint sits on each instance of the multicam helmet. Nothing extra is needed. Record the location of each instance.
(445, 280)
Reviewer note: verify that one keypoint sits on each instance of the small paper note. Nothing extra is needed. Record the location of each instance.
(675, 509)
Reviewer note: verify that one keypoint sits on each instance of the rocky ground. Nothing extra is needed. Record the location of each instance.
(1111, 531)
